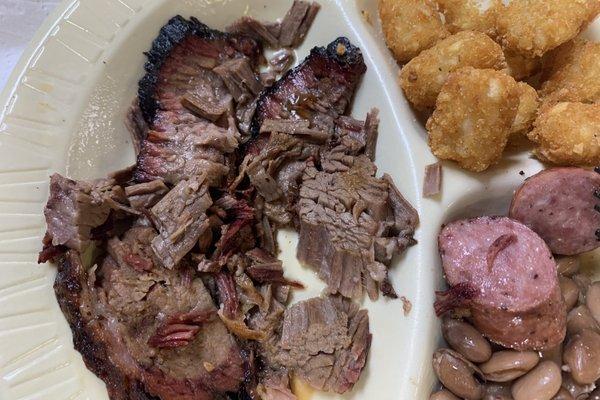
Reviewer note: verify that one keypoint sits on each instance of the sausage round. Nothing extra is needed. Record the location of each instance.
(515, 298)
(559, 204)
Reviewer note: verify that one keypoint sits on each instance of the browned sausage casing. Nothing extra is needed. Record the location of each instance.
(517, 301)
(559, 205)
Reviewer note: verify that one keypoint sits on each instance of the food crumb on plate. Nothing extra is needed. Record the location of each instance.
(406, 305)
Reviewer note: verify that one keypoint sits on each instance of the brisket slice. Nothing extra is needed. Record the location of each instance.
(181, 219)
(101, 353)
(193, 73)
(182, 48)
(351, 224)
(76, 210)
(322, 85)
(324, 341)
(147, 329)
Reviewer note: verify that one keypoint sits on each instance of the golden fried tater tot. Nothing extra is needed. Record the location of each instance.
(471, 15)
(520, 67)
(410, 26)
(533, 27)
(572, 73)
(568, 134)
(473, 117)
(527, 111)
(422, 78)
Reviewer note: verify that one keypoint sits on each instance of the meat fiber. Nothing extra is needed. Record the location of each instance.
(115, 322)
(325, 342)
(322, 85)
(190, 66)
(181, 219)
(351, 225)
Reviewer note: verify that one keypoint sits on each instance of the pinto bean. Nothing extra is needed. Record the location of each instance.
(584, 282)
(568, 266)
(577, 390)
(592, 300)
(563, 394)
(554, 354)
(467, 340)
(507, 365)
(541, 383)
(595, 395)
(569, 290)
(457, 374)
(497, 391)
(582, 355)
(581, 318)
(443, 395)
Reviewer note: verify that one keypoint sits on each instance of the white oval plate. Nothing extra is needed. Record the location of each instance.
(63, 111)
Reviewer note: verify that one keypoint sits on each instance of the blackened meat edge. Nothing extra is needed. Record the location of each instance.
(339, 60)
(170, 35)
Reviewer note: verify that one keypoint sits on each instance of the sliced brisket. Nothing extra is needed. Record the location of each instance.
(183, 50)
(325, 342)
(148, 328)
(181, 219)
(323, 84)
(192, 73)
(74, 209)
(296, 22)
(351, 224)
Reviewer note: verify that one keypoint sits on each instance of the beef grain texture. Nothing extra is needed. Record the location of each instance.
(75, 301)
(144, 330)
(323, 83)
(186, 65)
(174, 33)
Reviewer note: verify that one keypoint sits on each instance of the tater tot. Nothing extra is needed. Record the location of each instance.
(422, 78)
(473, 117)
(572, 73)
(527, 111)
(520, 67)
(471, 15)
(568, 134)
(410, 26)
(533, 27)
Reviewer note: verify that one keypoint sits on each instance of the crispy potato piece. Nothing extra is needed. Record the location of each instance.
(473, 117)
(520, 67)
(410, 26)
(533, 27)
(568, 134)
(572, 73)
(471, 15)
(422, 78)
(527, 111)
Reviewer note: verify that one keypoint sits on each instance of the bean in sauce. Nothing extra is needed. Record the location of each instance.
(568, 266)
(570, 291)
(581, 318)
(592, 300)
(443, 395)
(563, 394)
(541, 383)
(465, 339)
(507, 365)
(457, 374)
(595, 395)
(497, 391)
(582, 355)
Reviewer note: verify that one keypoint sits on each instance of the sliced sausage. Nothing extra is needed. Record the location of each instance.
(515, 298)
(561, 205)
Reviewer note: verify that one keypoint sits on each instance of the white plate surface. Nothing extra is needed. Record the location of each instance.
(63, 111)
